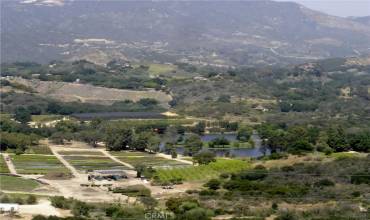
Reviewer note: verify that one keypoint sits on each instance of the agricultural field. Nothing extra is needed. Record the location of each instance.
(13, 183)
(136, 158)
(88, 163)
(151, 161)
(37, 164)
(203, 172)
(3, 167)
(130, 154)
(80, 152)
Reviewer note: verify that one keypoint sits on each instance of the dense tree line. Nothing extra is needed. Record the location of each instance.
(25, 105)
(118, 136)
(300, 139)
(113, 76)
(18, 136)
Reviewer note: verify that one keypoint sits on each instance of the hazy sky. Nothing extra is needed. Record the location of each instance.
(342, 8)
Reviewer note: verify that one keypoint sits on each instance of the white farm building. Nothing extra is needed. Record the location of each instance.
(9, 207)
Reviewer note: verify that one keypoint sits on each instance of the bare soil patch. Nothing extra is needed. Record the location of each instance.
(69, 92)
(58, 176)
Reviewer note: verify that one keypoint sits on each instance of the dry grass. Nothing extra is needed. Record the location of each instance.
(293, 159)
(69, 92)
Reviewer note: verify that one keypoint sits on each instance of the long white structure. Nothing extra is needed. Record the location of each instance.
(9, 207)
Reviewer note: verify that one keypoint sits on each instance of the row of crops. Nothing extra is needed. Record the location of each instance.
(38, 164)
(202, 172)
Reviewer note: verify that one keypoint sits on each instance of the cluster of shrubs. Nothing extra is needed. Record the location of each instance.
(29, 200)
(86, 211)
(219, 142)
(41, 217)
(77, 207)
(288, 181)
(135, 190)
(174, 181)
(186, 208)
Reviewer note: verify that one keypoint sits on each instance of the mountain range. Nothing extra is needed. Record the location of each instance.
(220, 33)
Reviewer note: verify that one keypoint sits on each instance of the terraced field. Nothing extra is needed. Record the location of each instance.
(3, 166)
(37, 164)
(84, 164)
(203, 172)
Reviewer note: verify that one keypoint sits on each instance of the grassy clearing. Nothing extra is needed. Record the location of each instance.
(5, 116)
(84, 164)
(38, 164)
(151, 161)
(343, 155)
(157, 69)
(39, 149)
(13, 183)
(3, 167)
(203, 172)
(45, 118)
(80, 152)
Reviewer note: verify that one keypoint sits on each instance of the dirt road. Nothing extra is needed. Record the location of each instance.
(115, 159)
(9, 163)
(43, 207)
(65, 163)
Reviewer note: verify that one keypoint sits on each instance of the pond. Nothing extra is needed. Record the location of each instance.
(256, 151)
(212, 136)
